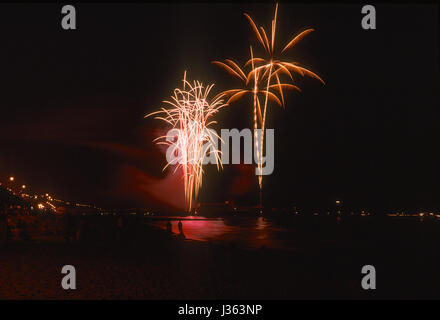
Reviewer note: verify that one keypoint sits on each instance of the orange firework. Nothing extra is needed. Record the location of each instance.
(265, 73)
(257, 75)
(190, 141)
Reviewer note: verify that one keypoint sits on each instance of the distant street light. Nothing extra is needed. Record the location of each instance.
(338, 206)
(11, 178)
(23, 186)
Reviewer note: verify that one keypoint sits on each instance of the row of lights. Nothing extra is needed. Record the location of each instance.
(41, 206)
(11, 178)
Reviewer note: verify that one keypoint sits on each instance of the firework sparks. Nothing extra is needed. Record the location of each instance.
(266, 75)
(252, 88)
(189, 113)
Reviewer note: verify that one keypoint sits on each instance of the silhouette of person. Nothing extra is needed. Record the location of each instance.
(169, 227)
(179, 225)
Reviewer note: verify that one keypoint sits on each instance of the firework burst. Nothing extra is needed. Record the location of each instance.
(264, 78)
(190, 141)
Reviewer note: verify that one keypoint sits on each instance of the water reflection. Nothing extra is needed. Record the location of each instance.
(246, 232)
(300, 233)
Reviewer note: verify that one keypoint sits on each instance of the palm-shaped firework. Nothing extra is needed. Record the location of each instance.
(189, 114)
(265, 73)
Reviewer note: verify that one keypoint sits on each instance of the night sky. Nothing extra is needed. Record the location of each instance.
(73, 102)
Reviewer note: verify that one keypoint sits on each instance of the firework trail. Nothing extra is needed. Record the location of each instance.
(266, 75)
(190, 141)
(251, 82)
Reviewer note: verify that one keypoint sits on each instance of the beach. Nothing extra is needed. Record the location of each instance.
(149, 263)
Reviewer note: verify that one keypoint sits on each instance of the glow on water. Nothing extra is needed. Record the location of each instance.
(246, 232)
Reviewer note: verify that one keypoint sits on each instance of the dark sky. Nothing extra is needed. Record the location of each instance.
(73, 102)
